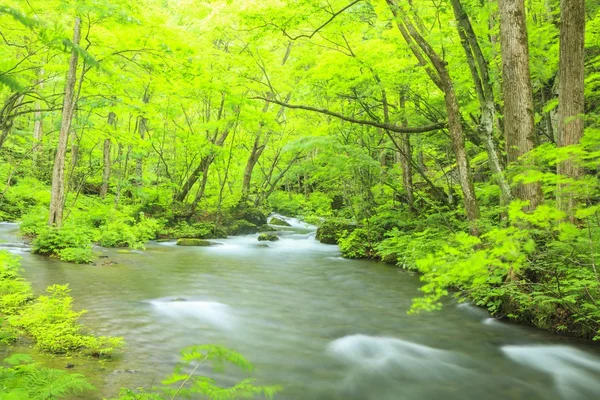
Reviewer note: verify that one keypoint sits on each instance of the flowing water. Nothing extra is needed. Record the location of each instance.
(321, 326)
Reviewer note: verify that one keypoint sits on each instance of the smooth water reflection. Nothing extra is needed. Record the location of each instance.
(322, 326)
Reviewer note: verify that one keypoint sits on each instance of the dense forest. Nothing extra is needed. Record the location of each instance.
(455, 138)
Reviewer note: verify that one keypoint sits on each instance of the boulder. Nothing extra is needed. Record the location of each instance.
(331, 231)
(278, 222)
(266, 237)
(266, 228)
(195, 242)
(242, 227)
(254, 216)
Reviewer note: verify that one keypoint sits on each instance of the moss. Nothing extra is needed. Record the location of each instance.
(242, 227)
(278, 222)
(194, 242)
(265, 237)
(266, 228)
(332, 230)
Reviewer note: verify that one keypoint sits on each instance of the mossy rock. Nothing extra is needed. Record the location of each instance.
(278, 222)
(266, 237)
(248, 212)
(266, 228)
(390, 258)
(242, 227)
(195, 242)
(331, 231)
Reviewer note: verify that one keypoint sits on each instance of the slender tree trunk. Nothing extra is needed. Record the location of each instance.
(58, 174)
(519, 127)
(38, 127)
(105, 169)
(571, 94)
(406, 157)
(106, 166)
(478, 66)
(442, 79)
(255, 154)
(142, 129)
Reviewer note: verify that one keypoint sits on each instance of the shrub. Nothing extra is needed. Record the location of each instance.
(25, 379)
(52, 324)
(76, 255)
(358, 244)
(332, 230)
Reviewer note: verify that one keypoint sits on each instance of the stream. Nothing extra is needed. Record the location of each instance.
(321, 326)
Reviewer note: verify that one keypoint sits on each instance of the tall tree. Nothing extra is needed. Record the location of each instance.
(519, 126)
(571, 92)
(58, 174)
(441, 77)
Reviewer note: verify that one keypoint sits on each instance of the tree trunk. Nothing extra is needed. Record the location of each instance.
(112, 122)
(38, 127)
(478, 66)
(452, 108)
(406, 157)
(255, 154)
(58, 174)
(571, 94)
(142, 129)
(519, 127)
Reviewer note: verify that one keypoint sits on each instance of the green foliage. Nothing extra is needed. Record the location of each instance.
(15, 291)
(182, 384)
(317, 203)
(195, 231)
(53, 325)
(358, 244)
(49, 320)
(331, 230)
(25, 379)
(67, 244)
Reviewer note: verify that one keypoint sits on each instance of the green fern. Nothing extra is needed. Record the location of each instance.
(24, 379)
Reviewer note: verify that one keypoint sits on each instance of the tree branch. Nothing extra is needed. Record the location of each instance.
(381, 125)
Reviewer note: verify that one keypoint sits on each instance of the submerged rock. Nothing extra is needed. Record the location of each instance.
(195, 242)
(262, 246)
(279, 222)
(265, 237)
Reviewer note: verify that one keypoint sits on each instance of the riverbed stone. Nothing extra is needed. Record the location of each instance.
(195, 242)
(278, 222)
(266, 237)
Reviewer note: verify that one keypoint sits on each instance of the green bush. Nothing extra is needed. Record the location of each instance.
(76, 255)
(358, 244)
(24, 379)
(331, 230)
(53, 325)
(68, 244)
(15, 291)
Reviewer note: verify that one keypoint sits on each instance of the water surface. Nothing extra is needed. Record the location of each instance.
(319, 325)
